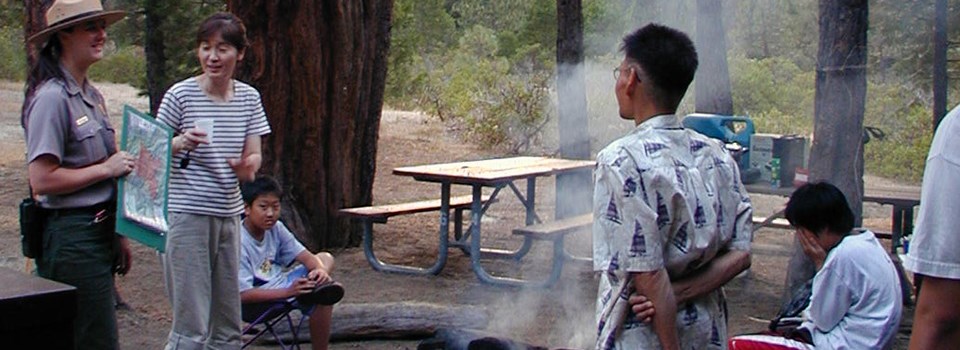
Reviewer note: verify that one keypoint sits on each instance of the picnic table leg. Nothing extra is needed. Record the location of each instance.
(897, 229)
(459, 239)
(907, 221)
(902, 228)
(379, 265)
(463, 240)
(531, 217)
(531, 200)
(458, 224)
(475, 252)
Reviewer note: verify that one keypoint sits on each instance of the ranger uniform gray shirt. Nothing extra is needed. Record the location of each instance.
(71, 124)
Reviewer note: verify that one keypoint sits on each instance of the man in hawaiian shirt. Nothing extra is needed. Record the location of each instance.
(668, 205)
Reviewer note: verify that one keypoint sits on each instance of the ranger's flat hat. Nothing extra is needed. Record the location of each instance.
(65, 13)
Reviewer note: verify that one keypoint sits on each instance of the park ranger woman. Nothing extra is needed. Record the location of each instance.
(73, 163)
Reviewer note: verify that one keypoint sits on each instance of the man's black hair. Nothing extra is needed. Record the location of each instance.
(667, 57)
(260, 186)
(820, 205)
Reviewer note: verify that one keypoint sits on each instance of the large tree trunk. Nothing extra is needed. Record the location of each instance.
(321, 68)
(154, 49)
(837, 152)
(574, 190)
(712, 90)
(33, 22)
(940, 77)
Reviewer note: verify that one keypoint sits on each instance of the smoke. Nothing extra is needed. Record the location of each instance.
(561, 316)
(564, 314)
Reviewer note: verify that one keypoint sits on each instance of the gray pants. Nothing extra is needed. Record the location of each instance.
(200, 266)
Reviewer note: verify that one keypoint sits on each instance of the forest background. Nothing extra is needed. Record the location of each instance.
(487, 68)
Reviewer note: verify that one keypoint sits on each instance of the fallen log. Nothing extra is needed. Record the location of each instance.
(472, 339)
(391, 321)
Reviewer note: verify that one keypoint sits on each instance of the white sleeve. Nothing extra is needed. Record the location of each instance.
(830, 300)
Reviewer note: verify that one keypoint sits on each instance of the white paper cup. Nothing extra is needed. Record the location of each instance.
(206, 125)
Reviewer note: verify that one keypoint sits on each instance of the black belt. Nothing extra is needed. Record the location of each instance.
(105, 208)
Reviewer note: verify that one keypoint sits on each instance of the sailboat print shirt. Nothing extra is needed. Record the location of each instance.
(665, 197)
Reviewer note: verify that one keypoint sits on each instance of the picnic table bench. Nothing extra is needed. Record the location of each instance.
(556, 231)
(381, 213)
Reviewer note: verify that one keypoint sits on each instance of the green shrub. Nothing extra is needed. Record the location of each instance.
(13, 60)
(126, 65)
(476, 89)
(779, 97)
(774, 92)
(902, 154)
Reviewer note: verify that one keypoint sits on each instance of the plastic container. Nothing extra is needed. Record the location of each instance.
(725, 128)
(775, 172)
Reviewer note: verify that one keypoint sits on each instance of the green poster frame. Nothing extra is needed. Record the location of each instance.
(147, 234)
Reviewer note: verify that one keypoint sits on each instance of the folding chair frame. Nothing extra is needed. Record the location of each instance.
(275, 313)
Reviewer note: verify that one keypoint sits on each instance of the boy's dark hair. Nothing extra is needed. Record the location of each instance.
(260, 186)
(667, 57)
(820, 205)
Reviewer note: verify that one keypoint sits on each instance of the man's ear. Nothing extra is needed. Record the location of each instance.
(631, 85)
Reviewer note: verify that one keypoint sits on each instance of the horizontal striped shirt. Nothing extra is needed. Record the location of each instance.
(208, 186)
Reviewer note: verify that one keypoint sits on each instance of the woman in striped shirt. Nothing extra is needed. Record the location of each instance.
(220, 122)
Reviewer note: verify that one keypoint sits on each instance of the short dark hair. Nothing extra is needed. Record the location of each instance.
(820, 205)
(260, 186)
(228, 25)
(667, 57)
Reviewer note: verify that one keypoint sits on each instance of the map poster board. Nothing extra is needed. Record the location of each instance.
(142, 194)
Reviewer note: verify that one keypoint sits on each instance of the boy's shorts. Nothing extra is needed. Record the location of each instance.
(298, 272)
(251, 311)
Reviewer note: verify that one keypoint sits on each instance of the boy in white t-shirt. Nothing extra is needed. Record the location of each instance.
(855, 300)
(267, 248)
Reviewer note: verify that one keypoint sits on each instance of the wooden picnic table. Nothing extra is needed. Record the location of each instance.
(499, 174)
(903, 199)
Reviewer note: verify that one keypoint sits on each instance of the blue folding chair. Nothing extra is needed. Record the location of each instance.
(267, 315)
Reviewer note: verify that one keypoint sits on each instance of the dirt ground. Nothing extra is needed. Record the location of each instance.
(561, 316)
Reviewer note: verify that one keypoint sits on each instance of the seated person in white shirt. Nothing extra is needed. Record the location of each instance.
(267, 247)
(855, 301)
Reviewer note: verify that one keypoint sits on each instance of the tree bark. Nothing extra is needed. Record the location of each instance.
(940, 77)
(321, 69)
(33, 22)
(154, 50)
(837, 152)
(712, 90)
(574, 190)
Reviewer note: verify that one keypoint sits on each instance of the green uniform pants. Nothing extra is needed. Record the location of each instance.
(80, 252)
